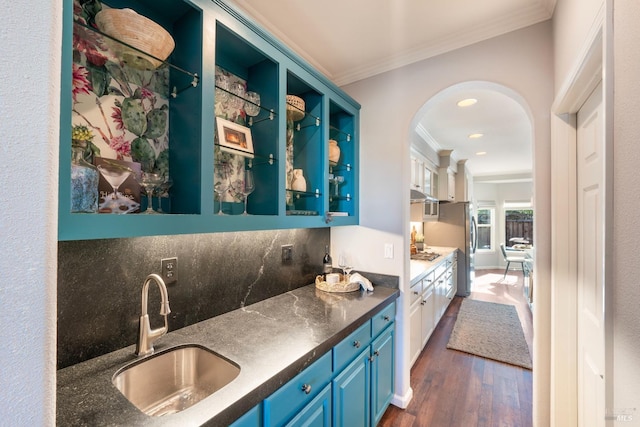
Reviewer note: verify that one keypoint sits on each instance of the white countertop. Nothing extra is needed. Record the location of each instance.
(418, 268)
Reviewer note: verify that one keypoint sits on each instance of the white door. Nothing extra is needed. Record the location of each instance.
(591, 331)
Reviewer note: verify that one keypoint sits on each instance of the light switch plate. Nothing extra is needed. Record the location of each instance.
(388, 250)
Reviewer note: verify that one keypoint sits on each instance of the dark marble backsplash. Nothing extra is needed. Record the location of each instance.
(100, 282)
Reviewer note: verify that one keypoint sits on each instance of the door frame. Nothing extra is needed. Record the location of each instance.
(595, 64)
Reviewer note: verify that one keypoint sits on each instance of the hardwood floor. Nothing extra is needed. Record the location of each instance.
(456, 389)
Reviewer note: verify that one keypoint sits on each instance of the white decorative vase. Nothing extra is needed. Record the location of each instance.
(299, 183)
(334, 151)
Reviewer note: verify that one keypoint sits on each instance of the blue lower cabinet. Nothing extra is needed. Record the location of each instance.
(382, 377)
(287, 402)
(349, 386)
(317, 413)
(253, 418)
(351, 391)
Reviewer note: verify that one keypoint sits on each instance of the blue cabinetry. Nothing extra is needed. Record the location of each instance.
(351, 393)
(253, 418)
(382, 363)
(317, 413)
(293, 397)
(352, 385)
(363, 390)
(209, 36)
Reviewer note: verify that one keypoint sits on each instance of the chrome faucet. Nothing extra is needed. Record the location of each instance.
(146, 335)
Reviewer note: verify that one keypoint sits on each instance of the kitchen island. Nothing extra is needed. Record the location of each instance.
(271, 341)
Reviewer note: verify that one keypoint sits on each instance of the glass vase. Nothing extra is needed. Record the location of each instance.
(84, 180)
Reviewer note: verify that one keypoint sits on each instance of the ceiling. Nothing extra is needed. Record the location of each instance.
(349, 40)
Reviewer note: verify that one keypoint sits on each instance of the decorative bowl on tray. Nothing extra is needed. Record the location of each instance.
(139, 32)
(295, 107)
(342, 286)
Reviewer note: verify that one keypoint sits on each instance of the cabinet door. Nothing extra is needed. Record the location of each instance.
(317, 413)
(451, 186)
(415, 337)
(451, 285)
(426, 179)
(351, 390)
(428, 319)
(382, 374)
(417, 167)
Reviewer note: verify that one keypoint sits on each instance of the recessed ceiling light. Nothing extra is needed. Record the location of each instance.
(476, 135)
(467, 102)
(481, 153)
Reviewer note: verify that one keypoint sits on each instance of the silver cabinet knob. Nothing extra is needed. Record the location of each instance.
(356, 344)
(386, 318)
(306, 388)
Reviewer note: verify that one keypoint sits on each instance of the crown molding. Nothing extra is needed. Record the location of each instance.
(503, 25)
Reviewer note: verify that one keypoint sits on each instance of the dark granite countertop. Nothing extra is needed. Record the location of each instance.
(272, 341)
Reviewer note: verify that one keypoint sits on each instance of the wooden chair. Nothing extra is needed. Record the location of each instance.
(513, 258)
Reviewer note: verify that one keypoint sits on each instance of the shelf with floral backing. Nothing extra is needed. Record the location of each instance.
(178, 102)
(243, 68)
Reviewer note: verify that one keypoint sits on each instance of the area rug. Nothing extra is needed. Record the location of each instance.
(490, 330)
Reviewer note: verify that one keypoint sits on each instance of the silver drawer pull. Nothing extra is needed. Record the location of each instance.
(376, 353)
(386, 318)
(356, 344)
(306, 388)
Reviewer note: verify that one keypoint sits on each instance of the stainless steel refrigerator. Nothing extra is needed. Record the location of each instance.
(456, 227)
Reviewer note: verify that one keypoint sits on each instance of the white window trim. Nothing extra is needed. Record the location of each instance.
(492, 235)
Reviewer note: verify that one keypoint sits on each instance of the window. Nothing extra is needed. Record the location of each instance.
(518, 223)
(485, 229)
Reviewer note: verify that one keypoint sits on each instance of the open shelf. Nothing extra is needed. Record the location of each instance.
(210, 37)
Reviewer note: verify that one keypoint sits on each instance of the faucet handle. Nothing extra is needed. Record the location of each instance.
(164, 308)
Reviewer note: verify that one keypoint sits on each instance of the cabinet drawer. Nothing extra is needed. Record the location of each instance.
(415, 292)
(383, 319)
(350, 347)
(287, 401)
(428, 279)
(440, 269)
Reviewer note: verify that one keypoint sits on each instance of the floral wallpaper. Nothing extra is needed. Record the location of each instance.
(229, 167)
(126, 109)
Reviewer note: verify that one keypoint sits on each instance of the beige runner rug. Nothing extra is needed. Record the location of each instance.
(490, 330)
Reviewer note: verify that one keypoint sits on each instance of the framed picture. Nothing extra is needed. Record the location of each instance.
(125, 197)
(234, 138)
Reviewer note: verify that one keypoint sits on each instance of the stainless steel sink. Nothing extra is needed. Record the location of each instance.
(174, 380)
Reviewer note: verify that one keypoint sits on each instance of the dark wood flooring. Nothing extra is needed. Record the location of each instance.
(456, 389)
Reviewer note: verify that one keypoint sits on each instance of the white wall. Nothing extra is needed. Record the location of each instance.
(520, 61)
(574, 24)
(572, 20)
(29, 100)
(626, 232)
(499, 193)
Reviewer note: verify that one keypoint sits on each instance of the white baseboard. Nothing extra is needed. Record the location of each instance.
(402, 401)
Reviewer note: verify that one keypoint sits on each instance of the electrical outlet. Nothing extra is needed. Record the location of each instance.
(287, 253)
(169, 270)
